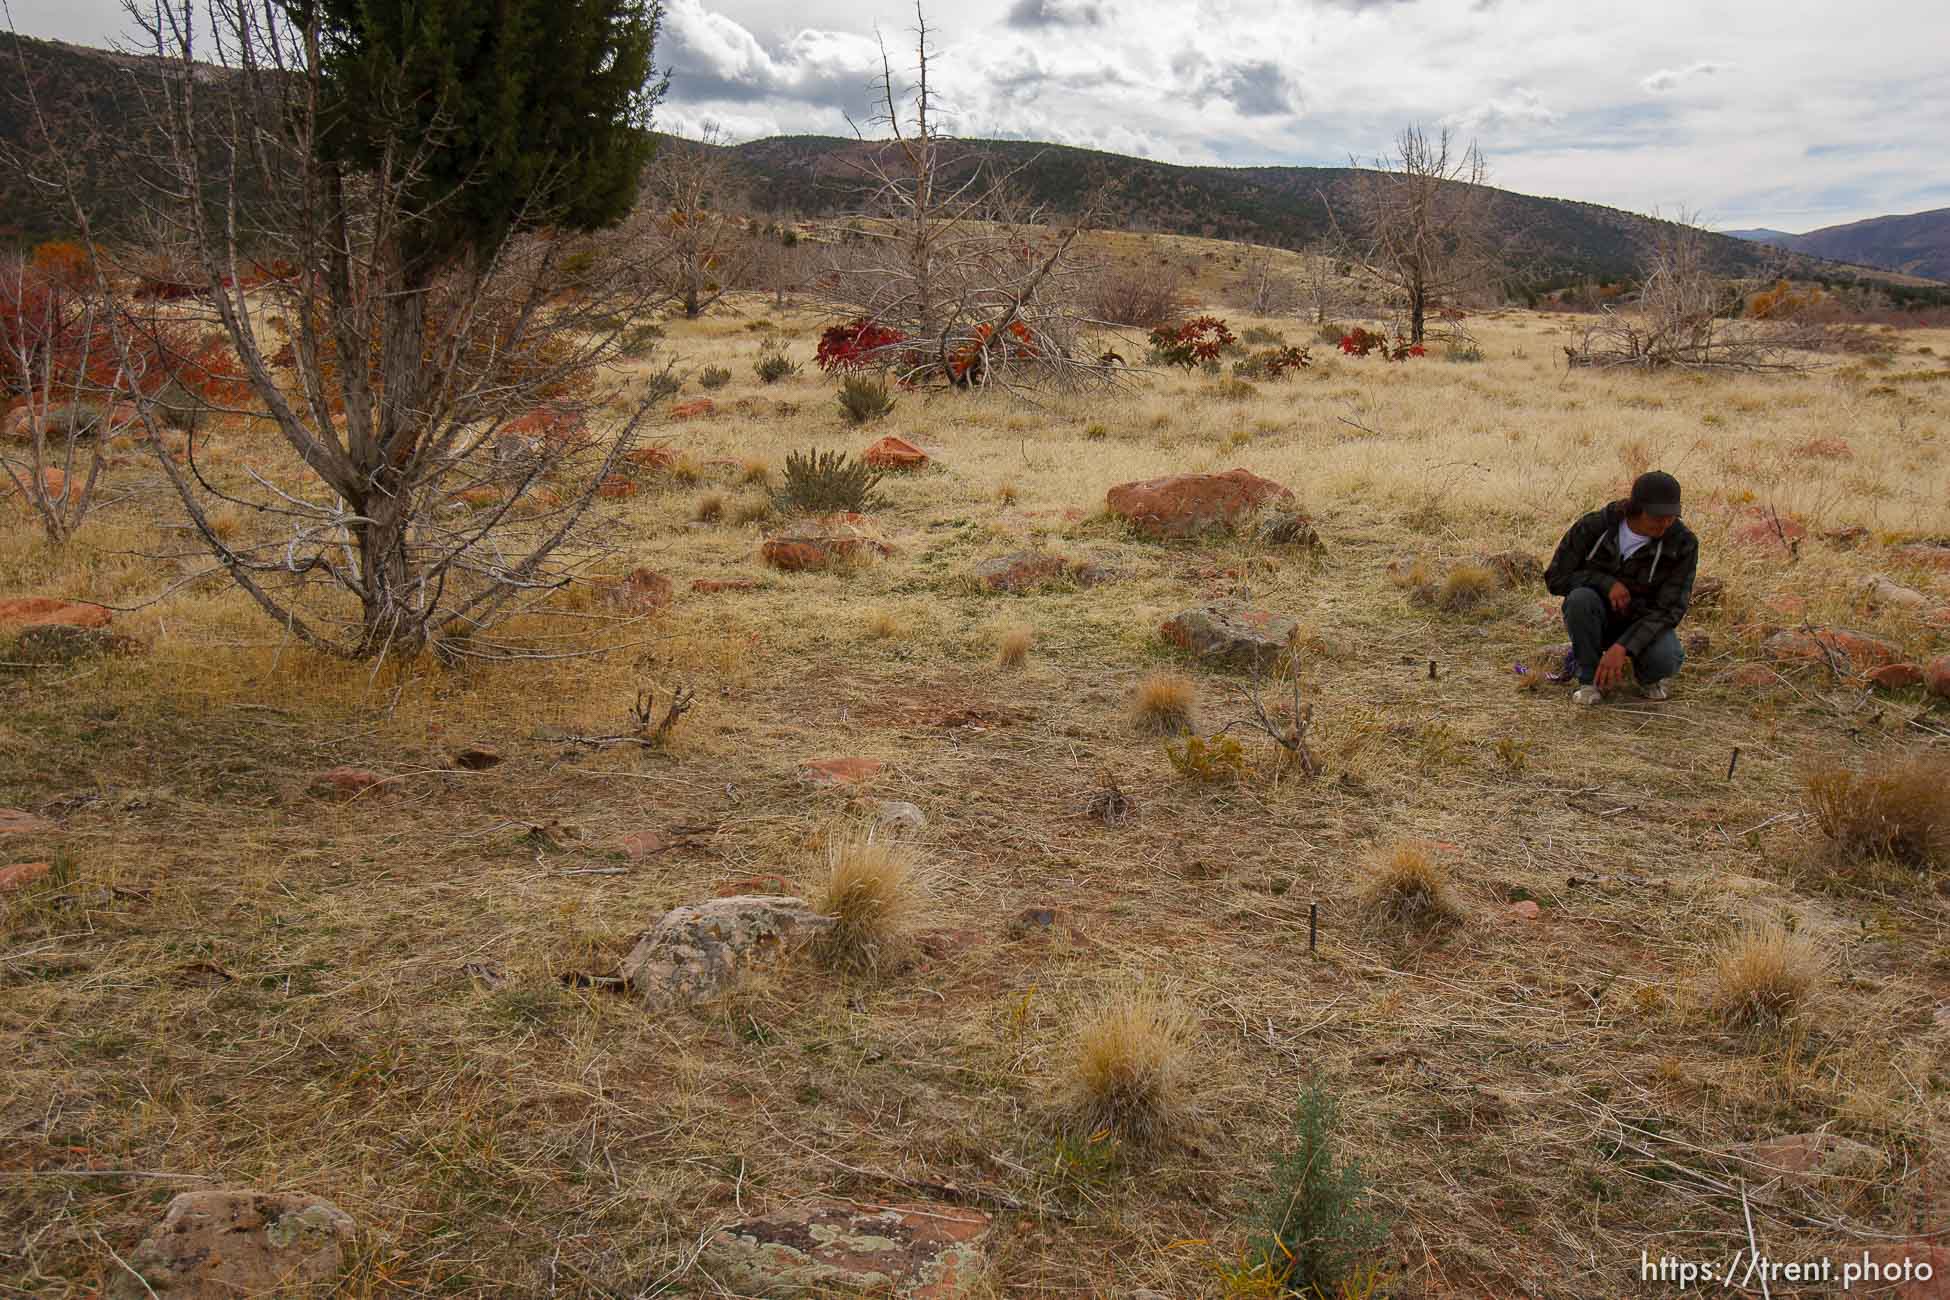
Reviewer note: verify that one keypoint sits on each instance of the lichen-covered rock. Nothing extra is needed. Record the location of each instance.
(1186, 505)
(1232, 634)
(933, 1252)
(1288, 528)
(697, 952)
(222, 1245)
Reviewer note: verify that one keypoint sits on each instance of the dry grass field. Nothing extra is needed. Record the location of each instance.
(227, 981)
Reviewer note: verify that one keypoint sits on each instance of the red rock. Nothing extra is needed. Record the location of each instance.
(834, 540)
(1753, 675)
(658, 458)
(1895, 677)
(1934, 555)
(711, 586)
(1788, 606)
(840, 771)
(644, 591)
(1184, 505)
(1936, 676)
(692, 410)
(643, 844)
(482, 495)
(1020, 571)
(13, 821)
(1522, 911)
(32, 611)
(615, 487)
(347, 783)
(1825, 449)
(895, 453)
(1760, 527)
(1848, 651)
(22, 874)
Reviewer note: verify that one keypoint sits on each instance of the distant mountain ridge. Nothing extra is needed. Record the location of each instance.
(1915, 243)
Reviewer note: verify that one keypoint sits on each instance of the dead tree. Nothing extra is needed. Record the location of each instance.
(980, 286)
(392, 365)
(1421, 223)
(691, 214)
(1687, 316)
(1264, 288)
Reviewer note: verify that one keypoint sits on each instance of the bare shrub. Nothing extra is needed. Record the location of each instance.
(1898, 811)
(1143, 298)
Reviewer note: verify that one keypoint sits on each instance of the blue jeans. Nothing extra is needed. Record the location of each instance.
(1593, 627)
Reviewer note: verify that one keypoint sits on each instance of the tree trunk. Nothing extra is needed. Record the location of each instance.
(1418, 306)
(389, 623)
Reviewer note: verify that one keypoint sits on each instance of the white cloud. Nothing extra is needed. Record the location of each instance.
(1667, 78)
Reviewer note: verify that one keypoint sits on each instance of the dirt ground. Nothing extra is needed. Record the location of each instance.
(229, 981)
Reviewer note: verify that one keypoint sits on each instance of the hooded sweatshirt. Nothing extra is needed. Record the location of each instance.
(1659, 574)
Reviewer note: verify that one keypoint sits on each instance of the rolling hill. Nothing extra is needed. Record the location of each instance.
(1917, 243)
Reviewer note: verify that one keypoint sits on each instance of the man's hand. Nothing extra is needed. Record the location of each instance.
(1611, 668)
(1620, 597)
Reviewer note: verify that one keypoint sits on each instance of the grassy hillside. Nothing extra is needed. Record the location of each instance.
(398, 1003)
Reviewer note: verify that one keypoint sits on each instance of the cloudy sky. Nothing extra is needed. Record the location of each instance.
(1776, 113)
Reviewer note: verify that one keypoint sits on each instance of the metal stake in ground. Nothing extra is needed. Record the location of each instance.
(1313, 927)
(1731, 762)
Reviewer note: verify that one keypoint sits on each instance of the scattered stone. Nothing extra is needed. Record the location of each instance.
(1697, 643)
(214, 1244)
(1881, 591)
(1185, 505)
(13, 821)
(1933, 555)
(652, 458)
(1895, 677)
(642, 844)
(1752, 675)
(1846, 537)
(1803, 1160)
(696, 953)
(693, 409)
(615, 487)
(1020, 571)
(477, 758)
(481, 496)
(895, 454)
(769, 883)
(39, 611)
(823, 544)
(1288, 528)
(1707, 592)
(22, 874)
(840, 771)
(1770, 526)
(1231, 634)
(900, 815)
(347, 783)
(1033, 920)
(711, 586)
(644, 591)
(1936, 676)
(1526, 910)
(1848, 651)
(930, 1252)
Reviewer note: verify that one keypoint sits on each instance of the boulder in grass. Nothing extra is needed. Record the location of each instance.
(892, 453)
(1846, 651)
(1936, 676)
(1232, 634)
(33, 611)
(922, 1252)
(1188, 505)
(226, 1243)
(696, 953)
(832, 542)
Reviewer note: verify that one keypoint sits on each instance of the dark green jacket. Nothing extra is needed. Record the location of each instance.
(1659, 575)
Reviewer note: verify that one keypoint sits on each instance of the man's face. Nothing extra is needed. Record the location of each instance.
(1649, 525)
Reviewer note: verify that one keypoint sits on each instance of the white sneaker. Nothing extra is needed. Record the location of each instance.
(1587, 695)
(1656, 691)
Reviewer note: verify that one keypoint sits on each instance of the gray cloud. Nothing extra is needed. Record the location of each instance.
(1258, 89)
(1030, 15)
(1667, 78)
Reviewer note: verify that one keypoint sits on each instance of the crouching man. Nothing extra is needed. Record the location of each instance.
(1626, 575)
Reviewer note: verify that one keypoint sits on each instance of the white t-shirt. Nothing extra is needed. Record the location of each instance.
(1628, 541)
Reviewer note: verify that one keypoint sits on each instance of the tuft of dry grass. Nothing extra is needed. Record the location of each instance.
(1012, 647)
(755, 471)
(1899, 811)
(882, 623)
(1466, 587)
(710, 508)
(1765, 975)
(751, 509)
(1162, 704)
(1408, 886)
(1129, 1068)
(1007, 493)
(686, 471)
(871, 893)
